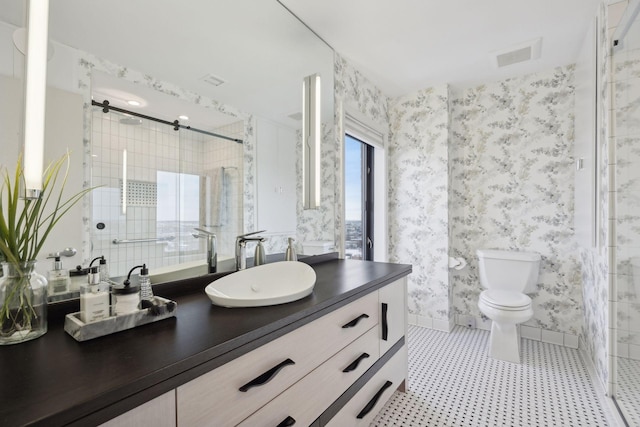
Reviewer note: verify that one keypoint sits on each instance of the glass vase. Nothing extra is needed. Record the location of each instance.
(23, 303)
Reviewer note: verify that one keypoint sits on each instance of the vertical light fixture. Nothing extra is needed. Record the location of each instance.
(35, 96)
(125, 185)
(311, 129)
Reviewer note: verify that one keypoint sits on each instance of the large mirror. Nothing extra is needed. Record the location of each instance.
(235, 68)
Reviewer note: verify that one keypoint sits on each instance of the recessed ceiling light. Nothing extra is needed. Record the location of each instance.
(183, 117)
(134, 103)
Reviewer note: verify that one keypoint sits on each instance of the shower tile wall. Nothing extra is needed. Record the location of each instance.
(151, 147)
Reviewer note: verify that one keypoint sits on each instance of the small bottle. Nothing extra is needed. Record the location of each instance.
(94, 299)
(104, 270)
(290, 254)
(59, 279)
(146, 294)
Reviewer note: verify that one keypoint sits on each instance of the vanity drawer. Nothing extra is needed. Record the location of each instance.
(309, 397)
(370, 399)
(215, 399)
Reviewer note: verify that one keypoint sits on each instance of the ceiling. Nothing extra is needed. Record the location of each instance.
(401, 46)
(256, 47)
(406, 45)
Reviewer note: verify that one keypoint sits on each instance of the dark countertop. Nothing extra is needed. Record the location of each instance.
(54, 380)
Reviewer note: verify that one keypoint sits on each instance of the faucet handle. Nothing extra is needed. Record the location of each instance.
(251, 234)
(206, 232)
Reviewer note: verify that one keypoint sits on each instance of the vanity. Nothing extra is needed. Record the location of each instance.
(333, 358)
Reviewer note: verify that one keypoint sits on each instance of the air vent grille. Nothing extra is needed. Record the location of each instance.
(515, 54)
(213, 80)
(514, 57)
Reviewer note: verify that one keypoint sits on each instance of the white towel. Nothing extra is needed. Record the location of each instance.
(217, 198)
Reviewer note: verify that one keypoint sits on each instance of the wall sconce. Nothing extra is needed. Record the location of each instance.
(35, 96)
(311, 129)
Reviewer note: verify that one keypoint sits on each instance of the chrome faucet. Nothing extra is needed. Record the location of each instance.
(212, 254)
(241, 247)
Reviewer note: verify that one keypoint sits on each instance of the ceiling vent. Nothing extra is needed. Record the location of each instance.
(212, 80)
(521, 52)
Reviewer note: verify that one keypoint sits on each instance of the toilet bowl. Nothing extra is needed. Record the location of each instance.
(507, 276)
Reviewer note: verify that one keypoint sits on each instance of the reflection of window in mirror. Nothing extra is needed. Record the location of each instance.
(178, 212)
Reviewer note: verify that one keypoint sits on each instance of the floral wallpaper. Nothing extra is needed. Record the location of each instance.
(511, 170)
(418, 198)
(352, 91)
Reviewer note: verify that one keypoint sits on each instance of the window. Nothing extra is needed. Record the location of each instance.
(178, 210)
(358, 199)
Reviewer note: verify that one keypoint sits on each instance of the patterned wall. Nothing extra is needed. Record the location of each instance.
(353, 92)
(511, 166)
(418, 198)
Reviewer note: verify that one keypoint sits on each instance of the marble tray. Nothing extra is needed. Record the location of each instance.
(80, 331)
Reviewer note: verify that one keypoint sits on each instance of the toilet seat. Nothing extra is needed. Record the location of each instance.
(505, 300)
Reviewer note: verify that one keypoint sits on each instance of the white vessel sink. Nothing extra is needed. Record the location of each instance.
(268, 284)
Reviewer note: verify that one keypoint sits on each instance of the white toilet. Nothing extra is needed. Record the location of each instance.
(507, 277)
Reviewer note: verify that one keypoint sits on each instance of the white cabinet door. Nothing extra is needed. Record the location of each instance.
(393, 313)
(159, 412)
(276, 177)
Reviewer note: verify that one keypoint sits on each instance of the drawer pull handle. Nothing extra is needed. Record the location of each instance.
(289, 421)
(354, 365)
(385, 324)
(355, 321)
(373, 401)
(267, 376)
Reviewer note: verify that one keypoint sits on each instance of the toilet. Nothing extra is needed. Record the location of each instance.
(507, 277)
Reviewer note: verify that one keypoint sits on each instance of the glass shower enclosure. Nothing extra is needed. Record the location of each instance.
(157, 184)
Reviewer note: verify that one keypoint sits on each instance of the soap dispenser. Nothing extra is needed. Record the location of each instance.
(290, 254)
(94, 298)
(104, 270)
(146, 294)
(59, 278)
(259, 258)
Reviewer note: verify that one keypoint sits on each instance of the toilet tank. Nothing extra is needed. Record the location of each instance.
(509, 270)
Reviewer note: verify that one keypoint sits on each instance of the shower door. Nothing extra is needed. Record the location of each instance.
(156, 186)
(625, 75)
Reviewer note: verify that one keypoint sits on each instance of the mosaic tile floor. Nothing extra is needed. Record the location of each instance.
(453, 382)
(628, 396)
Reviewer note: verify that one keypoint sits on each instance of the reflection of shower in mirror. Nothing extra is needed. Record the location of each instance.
(217, 188)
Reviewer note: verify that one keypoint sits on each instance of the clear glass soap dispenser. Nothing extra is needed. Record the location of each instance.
(59, 278)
